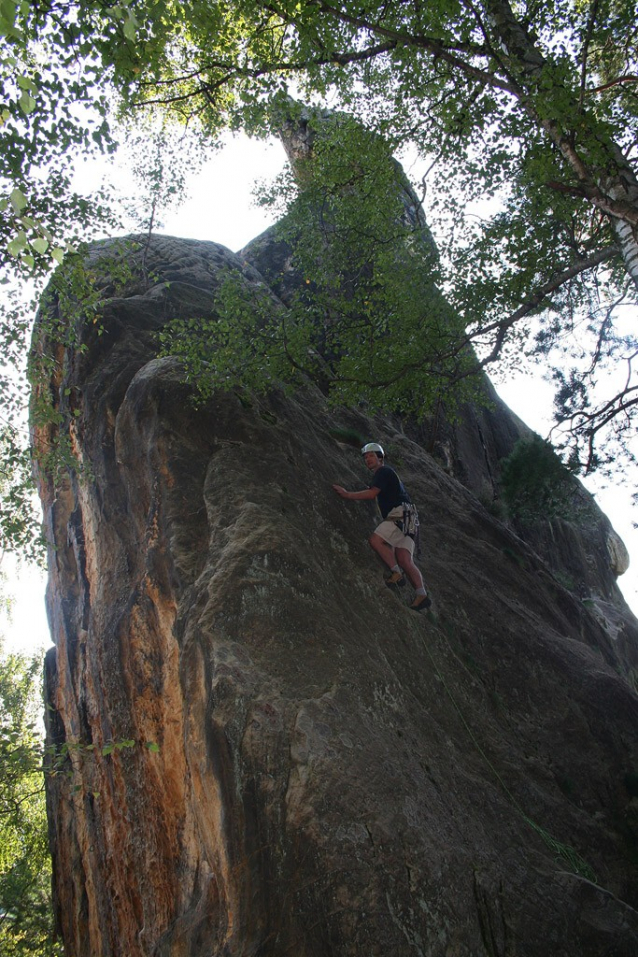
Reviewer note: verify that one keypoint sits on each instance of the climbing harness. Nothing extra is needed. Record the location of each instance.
(410, 525)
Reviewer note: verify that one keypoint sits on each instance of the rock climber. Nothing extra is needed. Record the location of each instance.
(388, 540)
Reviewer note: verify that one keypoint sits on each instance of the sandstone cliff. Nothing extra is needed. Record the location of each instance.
(268, 753)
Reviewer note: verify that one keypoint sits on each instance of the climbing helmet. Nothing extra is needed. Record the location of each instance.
(372, 447)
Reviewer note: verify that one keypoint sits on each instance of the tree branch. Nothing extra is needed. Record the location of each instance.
(628, 78)
(591, 21)
(438, 48)
(534, 301)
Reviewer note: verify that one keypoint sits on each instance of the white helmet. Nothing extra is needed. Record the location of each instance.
(372, 447)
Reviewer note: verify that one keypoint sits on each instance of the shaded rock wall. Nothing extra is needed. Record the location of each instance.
(270, 754)
(585, 552)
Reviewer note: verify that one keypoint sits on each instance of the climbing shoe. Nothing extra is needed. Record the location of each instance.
(395, 580)
(421, 602)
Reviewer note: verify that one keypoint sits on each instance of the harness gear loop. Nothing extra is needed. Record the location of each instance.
(410, 525)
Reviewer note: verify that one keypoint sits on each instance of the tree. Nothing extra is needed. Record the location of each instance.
(535, 104)
(51, 114)
(535, 484)
(56, 110)
(26, 920)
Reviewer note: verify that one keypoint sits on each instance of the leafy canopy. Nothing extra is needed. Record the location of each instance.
(57, 109)
(535, 484)
(26, 920)
(533, 104)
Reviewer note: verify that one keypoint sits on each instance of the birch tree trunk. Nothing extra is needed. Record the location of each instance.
(604, 175)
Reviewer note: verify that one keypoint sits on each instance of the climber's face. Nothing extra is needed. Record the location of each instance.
(372, 461)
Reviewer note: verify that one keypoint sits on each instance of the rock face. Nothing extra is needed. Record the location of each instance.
(267, 752)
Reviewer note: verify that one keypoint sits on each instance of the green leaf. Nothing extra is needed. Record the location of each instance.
(40, 245)
(27, 83)
(130, 28)
(16, 246)
(7, 16)
(18, 199)
(27, 103)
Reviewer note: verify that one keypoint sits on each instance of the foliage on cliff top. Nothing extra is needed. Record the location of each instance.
(356, 307)
(535, 484)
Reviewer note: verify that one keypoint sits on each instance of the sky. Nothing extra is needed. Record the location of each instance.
(221, 208)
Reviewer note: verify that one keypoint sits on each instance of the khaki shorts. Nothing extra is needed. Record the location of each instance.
(389, 532)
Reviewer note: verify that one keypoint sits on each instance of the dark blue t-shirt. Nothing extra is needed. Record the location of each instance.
(392, 491)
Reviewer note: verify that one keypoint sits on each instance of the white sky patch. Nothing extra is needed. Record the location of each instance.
(24, 627)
